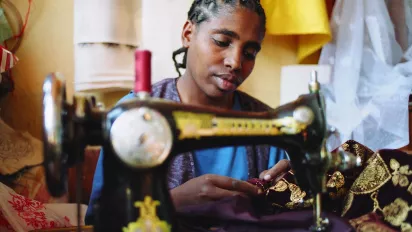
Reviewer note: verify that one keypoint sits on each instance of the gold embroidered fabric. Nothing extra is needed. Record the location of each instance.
(396, 212)
(375, 197)
(347, 203)
(383, 188)
(358, 149)
(285, 194)
(373, 176)
(400, 173)
(337, 181)
(296, 195)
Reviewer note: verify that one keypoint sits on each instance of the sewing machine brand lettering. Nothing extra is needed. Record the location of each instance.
(197, 125)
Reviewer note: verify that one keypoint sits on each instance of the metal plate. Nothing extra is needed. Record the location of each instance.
(141, 138)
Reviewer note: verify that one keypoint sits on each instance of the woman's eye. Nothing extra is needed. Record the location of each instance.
(250, 55)
(221, 43)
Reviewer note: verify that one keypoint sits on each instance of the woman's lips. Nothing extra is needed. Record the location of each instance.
(225, 84)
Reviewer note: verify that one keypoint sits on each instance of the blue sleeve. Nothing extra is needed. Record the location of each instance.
(98, 177)
(275, 155)
(96, 189)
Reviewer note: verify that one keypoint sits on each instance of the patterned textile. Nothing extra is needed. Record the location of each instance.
(375, 197)
(285, 195)
(17, 151)
(384, 188)
(18, 213)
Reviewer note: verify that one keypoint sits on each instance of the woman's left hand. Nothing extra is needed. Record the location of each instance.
(280, 168)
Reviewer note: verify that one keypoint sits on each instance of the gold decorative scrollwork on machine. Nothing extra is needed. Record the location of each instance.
(197, 125)
(148, 220)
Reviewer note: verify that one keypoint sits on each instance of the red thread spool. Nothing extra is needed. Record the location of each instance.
(143, 71)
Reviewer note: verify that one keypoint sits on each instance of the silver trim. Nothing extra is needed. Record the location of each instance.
(54, 96)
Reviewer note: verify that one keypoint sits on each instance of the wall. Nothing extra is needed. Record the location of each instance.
(264, 82)
(48, 46)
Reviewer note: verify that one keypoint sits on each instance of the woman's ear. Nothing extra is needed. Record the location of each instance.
(187, 33)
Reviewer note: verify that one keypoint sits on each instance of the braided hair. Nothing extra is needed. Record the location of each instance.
(203, 10)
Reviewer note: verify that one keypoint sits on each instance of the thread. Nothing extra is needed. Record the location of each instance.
(143, 75)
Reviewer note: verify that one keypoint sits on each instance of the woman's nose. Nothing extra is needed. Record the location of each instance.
(233, 60)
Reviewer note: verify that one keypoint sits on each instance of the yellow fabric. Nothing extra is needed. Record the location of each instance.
(306, 19)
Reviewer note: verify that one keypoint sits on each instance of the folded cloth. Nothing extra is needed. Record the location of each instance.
(7, 60)
(240, 214)
(18, 213)
(370, 222)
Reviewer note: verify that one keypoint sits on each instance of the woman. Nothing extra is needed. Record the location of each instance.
(221, 39)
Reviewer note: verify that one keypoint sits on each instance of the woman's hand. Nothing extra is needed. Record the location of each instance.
(280, 168)
(210, 188)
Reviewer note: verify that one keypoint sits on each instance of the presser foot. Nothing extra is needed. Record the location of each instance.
(322, 225)
(319, 224)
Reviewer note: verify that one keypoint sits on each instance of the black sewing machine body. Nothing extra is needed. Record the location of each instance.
(140, 136)
(124, 183)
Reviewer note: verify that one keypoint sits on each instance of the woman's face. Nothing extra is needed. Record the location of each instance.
(222, 50)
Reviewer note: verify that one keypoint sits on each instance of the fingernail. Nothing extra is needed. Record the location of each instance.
(267, 177)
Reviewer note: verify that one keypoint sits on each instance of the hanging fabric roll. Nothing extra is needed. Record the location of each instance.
(307, 20)
(105, 38)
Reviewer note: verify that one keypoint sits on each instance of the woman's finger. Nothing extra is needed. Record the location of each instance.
(281, 167)
(262, 174)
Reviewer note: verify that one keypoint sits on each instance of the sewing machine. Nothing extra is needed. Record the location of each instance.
(141, 136)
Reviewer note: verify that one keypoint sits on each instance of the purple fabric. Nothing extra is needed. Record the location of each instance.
(238, 214)
(182, 168)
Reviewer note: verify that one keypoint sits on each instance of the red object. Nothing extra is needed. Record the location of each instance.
(7, 60)
(143, 71)
(25, 21)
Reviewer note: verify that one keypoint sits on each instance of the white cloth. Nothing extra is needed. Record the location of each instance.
(367, 99)
(18, 213)
(18, 149)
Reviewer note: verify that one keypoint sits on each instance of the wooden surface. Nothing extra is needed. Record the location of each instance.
(67, 229)
(88, 169)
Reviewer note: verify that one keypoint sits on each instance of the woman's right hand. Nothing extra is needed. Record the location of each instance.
(210, 187)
